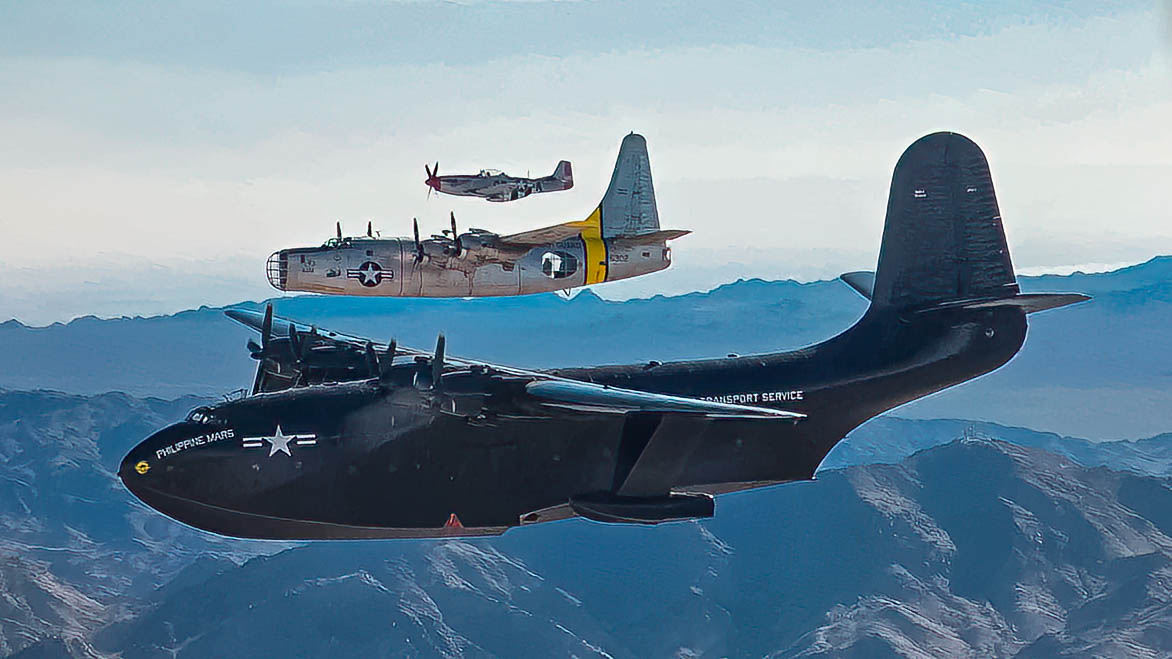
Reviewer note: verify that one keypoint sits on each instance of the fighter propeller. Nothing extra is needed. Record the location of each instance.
(432, 181)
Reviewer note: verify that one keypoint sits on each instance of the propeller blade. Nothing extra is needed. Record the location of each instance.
(369, 229)
(418, 244)
(386, 362)
(266, 328)
(372, 363)
(339, 226)
(437, 361)
(254, 349)
(294, 343)
(432, 178)
(456, 236)
(260, 374)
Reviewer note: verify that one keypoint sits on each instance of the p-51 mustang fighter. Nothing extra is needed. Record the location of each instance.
(495, 185)
(620, 239)
(343, 438)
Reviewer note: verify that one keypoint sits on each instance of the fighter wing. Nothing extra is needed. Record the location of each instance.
(546, 235)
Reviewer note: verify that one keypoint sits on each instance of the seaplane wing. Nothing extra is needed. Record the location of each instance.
(293, 354)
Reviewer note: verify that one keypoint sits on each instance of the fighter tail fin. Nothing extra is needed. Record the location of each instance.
(943, 243)
(564, 174)
(628, 207)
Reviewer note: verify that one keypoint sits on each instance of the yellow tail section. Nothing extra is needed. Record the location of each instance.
(596, 256)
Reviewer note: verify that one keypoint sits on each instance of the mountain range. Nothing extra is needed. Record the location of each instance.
(917, 538)
(1101, 369)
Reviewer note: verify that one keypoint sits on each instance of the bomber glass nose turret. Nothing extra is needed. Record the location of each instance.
(277, 269)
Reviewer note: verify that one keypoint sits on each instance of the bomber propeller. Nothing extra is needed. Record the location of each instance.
(457, 246)
(418, 244)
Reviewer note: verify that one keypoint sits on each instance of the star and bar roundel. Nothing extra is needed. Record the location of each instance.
(369, 273)
(279, 442)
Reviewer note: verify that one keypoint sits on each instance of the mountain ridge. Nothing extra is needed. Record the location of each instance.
(1099, 369)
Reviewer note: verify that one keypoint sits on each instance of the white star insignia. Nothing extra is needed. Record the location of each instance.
(280, 442)
(368, 273)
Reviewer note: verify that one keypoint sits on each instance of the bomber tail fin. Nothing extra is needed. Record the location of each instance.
(628, 207)
(943, 242)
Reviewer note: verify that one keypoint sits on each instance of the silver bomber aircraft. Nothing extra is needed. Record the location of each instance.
(619, 240)
(495, 185)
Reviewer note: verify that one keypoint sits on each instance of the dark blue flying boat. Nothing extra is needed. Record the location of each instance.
(345, 438)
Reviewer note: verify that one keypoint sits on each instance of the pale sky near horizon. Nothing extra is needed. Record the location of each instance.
(152, 155)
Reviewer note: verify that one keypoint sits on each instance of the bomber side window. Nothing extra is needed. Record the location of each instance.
(558, 265)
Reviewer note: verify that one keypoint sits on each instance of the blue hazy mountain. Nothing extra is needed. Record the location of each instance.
(1101, 369)
(969, 549)
(75, 549)
(890, 439)
(978, 547)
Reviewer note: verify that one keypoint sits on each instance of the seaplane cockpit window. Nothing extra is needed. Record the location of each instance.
(202, 415)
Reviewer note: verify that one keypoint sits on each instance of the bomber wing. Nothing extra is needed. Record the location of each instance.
(546, 235)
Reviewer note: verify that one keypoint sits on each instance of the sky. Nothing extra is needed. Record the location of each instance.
(153, 154)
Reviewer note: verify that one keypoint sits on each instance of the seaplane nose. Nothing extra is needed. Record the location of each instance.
(277, 269)
(143, 471)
